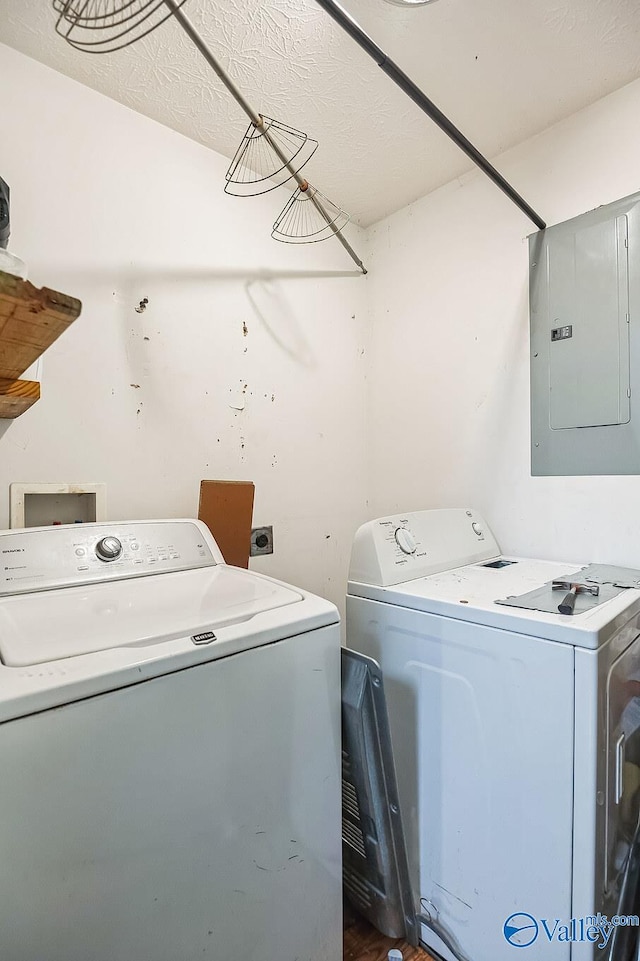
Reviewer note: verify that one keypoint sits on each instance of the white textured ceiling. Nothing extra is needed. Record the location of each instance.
(502, 70)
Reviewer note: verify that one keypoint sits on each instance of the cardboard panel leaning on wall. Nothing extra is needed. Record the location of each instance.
(226, 507)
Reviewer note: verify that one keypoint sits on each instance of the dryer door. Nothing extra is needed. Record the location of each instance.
(624, 939)
(622, 865)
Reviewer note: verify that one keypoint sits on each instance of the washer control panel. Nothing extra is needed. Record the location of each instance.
(400, 548)
(66, 556)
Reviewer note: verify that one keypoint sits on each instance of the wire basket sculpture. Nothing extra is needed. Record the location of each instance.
(270, 154)
(267, 157)
(103, 26)
(309, 217)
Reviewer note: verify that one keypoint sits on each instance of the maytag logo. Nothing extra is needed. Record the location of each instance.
(205, 638)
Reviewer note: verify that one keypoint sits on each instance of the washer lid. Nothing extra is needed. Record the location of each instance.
(57, 624)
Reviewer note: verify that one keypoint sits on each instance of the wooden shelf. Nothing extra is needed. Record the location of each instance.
(30, 321)
(16, 396)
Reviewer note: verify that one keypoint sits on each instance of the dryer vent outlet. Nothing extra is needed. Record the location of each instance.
(261, 541)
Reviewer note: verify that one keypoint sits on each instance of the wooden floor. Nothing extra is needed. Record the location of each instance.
(363, 943)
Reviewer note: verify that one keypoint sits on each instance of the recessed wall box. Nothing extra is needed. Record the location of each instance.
(40, 505)
(585, 343)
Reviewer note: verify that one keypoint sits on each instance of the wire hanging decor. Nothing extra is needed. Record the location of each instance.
(257, 168)
(308, 217)
(104, 26)
(270, 153)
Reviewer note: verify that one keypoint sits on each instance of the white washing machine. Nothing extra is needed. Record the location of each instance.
(516, 735)
(169, 752)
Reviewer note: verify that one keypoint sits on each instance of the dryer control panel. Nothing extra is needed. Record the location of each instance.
(45, 558)
(401, 547)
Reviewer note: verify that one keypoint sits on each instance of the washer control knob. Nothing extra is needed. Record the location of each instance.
(477, 529)
(108, 549)
(405, 541)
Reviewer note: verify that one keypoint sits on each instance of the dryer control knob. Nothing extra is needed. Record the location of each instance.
(477, 529)
(108, 549)
(405, 540)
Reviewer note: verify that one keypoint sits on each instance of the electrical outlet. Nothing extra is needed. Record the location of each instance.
(261, 541)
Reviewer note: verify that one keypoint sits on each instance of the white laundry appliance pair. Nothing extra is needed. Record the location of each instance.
(169, 752)
(516, 735)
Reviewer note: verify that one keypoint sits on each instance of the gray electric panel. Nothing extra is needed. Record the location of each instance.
(584, 293)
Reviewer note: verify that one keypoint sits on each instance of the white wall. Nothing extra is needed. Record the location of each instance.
(450, 353)
(112, 207)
